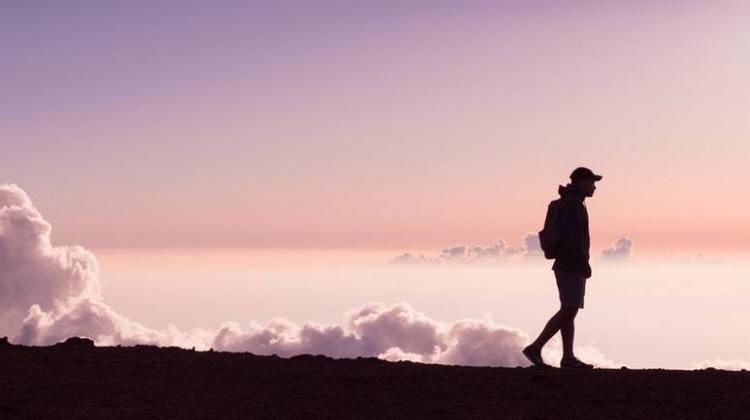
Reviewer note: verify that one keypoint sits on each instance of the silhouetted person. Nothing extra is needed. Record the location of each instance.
(571, 266)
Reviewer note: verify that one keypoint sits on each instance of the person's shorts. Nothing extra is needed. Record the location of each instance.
(572, 288)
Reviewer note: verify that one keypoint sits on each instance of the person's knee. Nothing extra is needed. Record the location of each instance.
(569, 312)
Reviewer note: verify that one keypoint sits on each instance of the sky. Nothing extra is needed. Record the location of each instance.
(358, 125)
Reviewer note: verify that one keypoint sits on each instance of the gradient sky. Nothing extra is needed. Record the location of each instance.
(376, 124)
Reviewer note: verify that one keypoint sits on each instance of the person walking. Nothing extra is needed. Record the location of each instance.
(571, 266)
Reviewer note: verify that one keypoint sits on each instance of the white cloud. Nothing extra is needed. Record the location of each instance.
(33, 271)
(478, 343)
(407, 258)
(621, 250)
(498, 253)
(532, 245)
(48, 293)
(395, 354)
(395, 332)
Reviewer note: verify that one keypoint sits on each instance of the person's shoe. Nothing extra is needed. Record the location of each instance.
(534, 356)
(573, 363)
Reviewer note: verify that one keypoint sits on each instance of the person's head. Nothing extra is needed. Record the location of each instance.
(583, 179)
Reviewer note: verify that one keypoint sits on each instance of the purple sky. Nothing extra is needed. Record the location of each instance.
(374, 124)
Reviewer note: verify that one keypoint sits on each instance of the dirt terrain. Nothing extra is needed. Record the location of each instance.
(78, 380)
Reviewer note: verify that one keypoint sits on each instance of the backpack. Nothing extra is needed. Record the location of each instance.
(550, 237)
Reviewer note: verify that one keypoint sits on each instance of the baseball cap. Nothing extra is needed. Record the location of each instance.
(584, 173)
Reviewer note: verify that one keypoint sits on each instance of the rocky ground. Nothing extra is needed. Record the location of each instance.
(78, 380)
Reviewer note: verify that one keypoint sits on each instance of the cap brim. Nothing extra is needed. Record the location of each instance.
(598, 177)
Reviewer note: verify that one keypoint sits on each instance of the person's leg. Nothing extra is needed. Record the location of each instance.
(562, 319)
(571, 288)
(567, 331)
(569, 359)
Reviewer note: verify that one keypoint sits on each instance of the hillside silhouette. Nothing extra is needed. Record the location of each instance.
(75, 379)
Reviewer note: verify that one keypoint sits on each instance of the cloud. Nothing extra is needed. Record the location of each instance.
(498, 253)
(477, 343)
(49, 293)
(531, 250)
(532, 245)
(726, 364)
(95, 319)
(619, 251)
(395, 332)
(34, 272)
(407, 258)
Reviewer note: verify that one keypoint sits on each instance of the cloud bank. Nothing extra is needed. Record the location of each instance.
(395, 332)
(501, 252)
(49, 293)
(619, 251)
(498, 253)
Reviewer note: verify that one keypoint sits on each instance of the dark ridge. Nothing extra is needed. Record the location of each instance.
(76, 343)
(75, 379)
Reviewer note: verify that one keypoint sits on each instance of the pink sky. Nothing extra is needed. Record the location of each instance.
(252, 124)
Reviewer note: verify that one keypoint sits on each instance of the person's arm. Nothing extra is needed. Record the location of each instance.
(572, 227)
